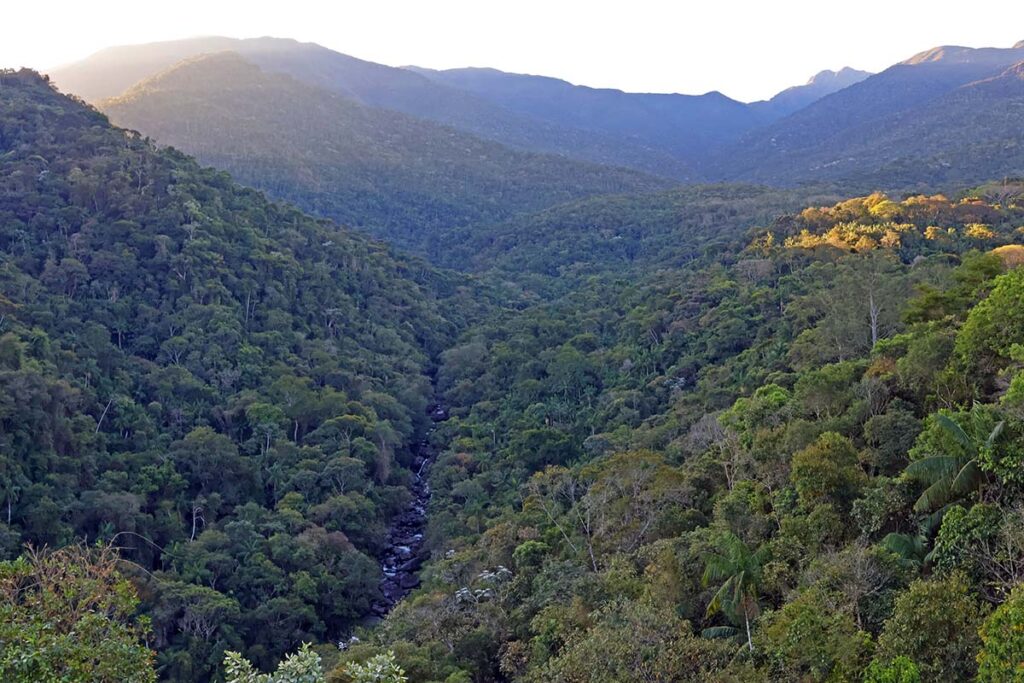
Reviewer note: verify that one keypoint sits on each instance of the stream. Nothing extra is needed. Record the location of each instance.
(404, 554)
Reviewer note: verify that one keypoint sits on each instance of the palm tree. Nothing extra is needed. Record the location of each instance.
(909, 548)
(953, 476)
(737, 571)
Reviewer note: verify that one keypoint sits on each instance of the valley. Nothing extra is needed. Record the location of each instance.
(404, 554)
(352, 372)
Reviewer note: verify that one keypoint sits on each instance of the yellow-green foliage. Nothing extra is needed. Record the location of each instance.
(1001, 659)
(69, 615)
(1012, 255)
(876, 221)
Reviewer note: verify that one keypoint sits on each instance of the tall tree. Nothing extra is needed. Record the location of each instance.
(736, 569)
(954, 475)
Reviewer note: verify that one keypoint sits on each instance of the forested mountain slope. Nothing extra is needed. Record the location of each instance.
(110, 72)
(719, 433)
(221, 386)
(625, 236)
(927, 120)
(397, 177)
(794, 461)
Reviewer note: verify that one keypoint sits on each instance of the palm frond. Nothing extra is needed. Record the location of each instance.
(906, 546)
(934, 468)
(720, 632)
(935, 496)
(933, 521)
(994, 435)
(955, 430)
(716, 603)
(967, 479)
(716, 568)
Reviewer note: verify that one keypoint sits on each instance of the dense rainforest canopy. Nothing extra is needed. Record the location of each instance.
(221, 386)
(796, 461)
(721, 433)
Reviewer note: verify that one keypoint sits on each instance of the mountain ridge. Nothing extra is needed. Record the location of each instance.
(662, 134)
(832, 138)
(373, 84)
(395, 176)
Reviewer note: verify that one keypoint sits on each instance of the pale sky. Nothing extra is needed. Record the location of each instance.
(748, 49)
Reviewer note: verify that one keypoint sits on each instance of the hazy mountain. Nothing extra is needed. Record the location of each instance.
(664, 134)
(821, 84)
(110, 72)
(687, 126)
(113, 70)
(840, 125)
(394, 175)
(900, 113)
(965, 137)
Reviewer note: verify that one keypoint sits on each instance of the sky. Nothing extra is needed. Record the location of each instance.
(747, 49)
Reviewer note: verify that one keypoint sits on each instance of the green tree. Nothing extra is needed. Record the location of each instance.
(899, 670)
(737, 570)
(827, 471)
(70, 615)
(955, 474)
(811, 639)
(381, 668)
(1001, 659)
(633, 640)
(935, 624)
(300, 667)
(992, 327)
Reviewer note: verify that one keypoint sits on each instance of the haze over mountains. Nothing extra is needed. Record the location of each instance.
(403, 178)
(663, 134)
(110, 72)
(689, 126)
(828, 129)
(422, 157)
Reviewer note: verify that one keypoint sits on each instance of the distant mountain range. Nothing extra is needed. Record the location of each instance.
(688, 126)
(471, 145)
(110, 72)
(667, 135)
(399, 177)
(951, 114)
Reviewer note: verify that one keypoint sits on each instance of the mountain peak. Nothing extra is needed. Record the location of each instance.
(958, 54)
(846, 76)
(820, 85)
(214, 69)
(824, 75)
(942, 53)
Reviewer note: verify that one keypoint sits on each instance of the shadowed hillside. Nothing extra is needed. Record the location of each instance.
(390, 174)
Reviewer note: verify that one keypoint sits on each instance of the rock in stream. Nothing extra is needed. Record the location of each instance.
(404, 554)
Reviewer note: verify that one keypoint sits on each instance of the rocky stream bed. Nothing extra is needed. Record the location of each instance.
(404, 552)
